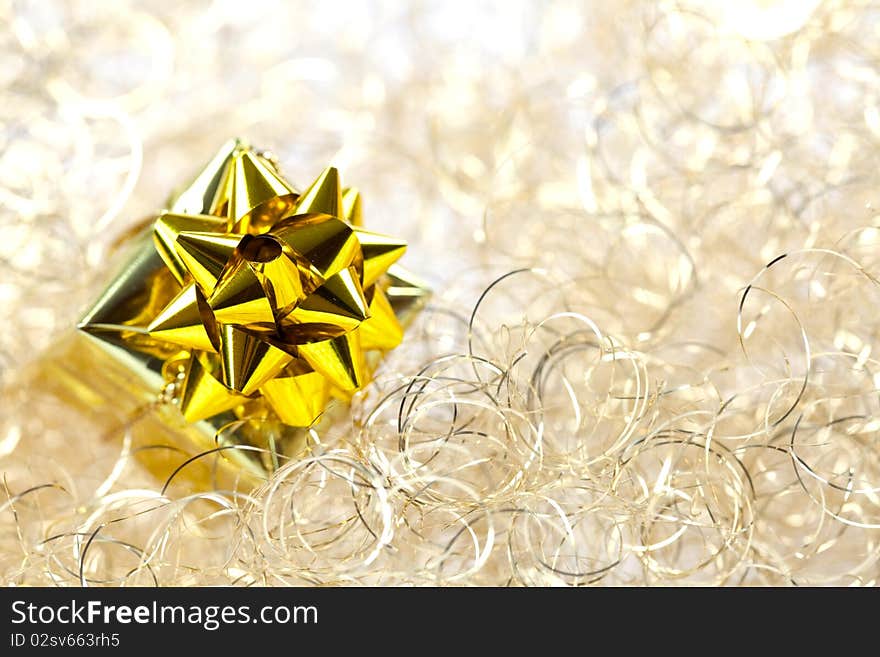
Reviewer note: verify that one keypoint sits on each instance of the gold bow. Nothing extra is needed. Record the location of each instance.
(275, 295)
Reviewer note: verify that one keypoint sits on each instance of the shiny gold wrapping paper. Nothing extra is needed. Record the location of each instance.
(116, 401)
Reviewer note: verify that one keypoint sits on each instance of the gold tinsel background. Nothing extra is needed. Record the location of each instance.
(652, 235)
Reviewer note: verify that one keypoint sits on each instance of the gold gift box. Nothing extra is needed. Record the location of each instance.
(132, 371)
